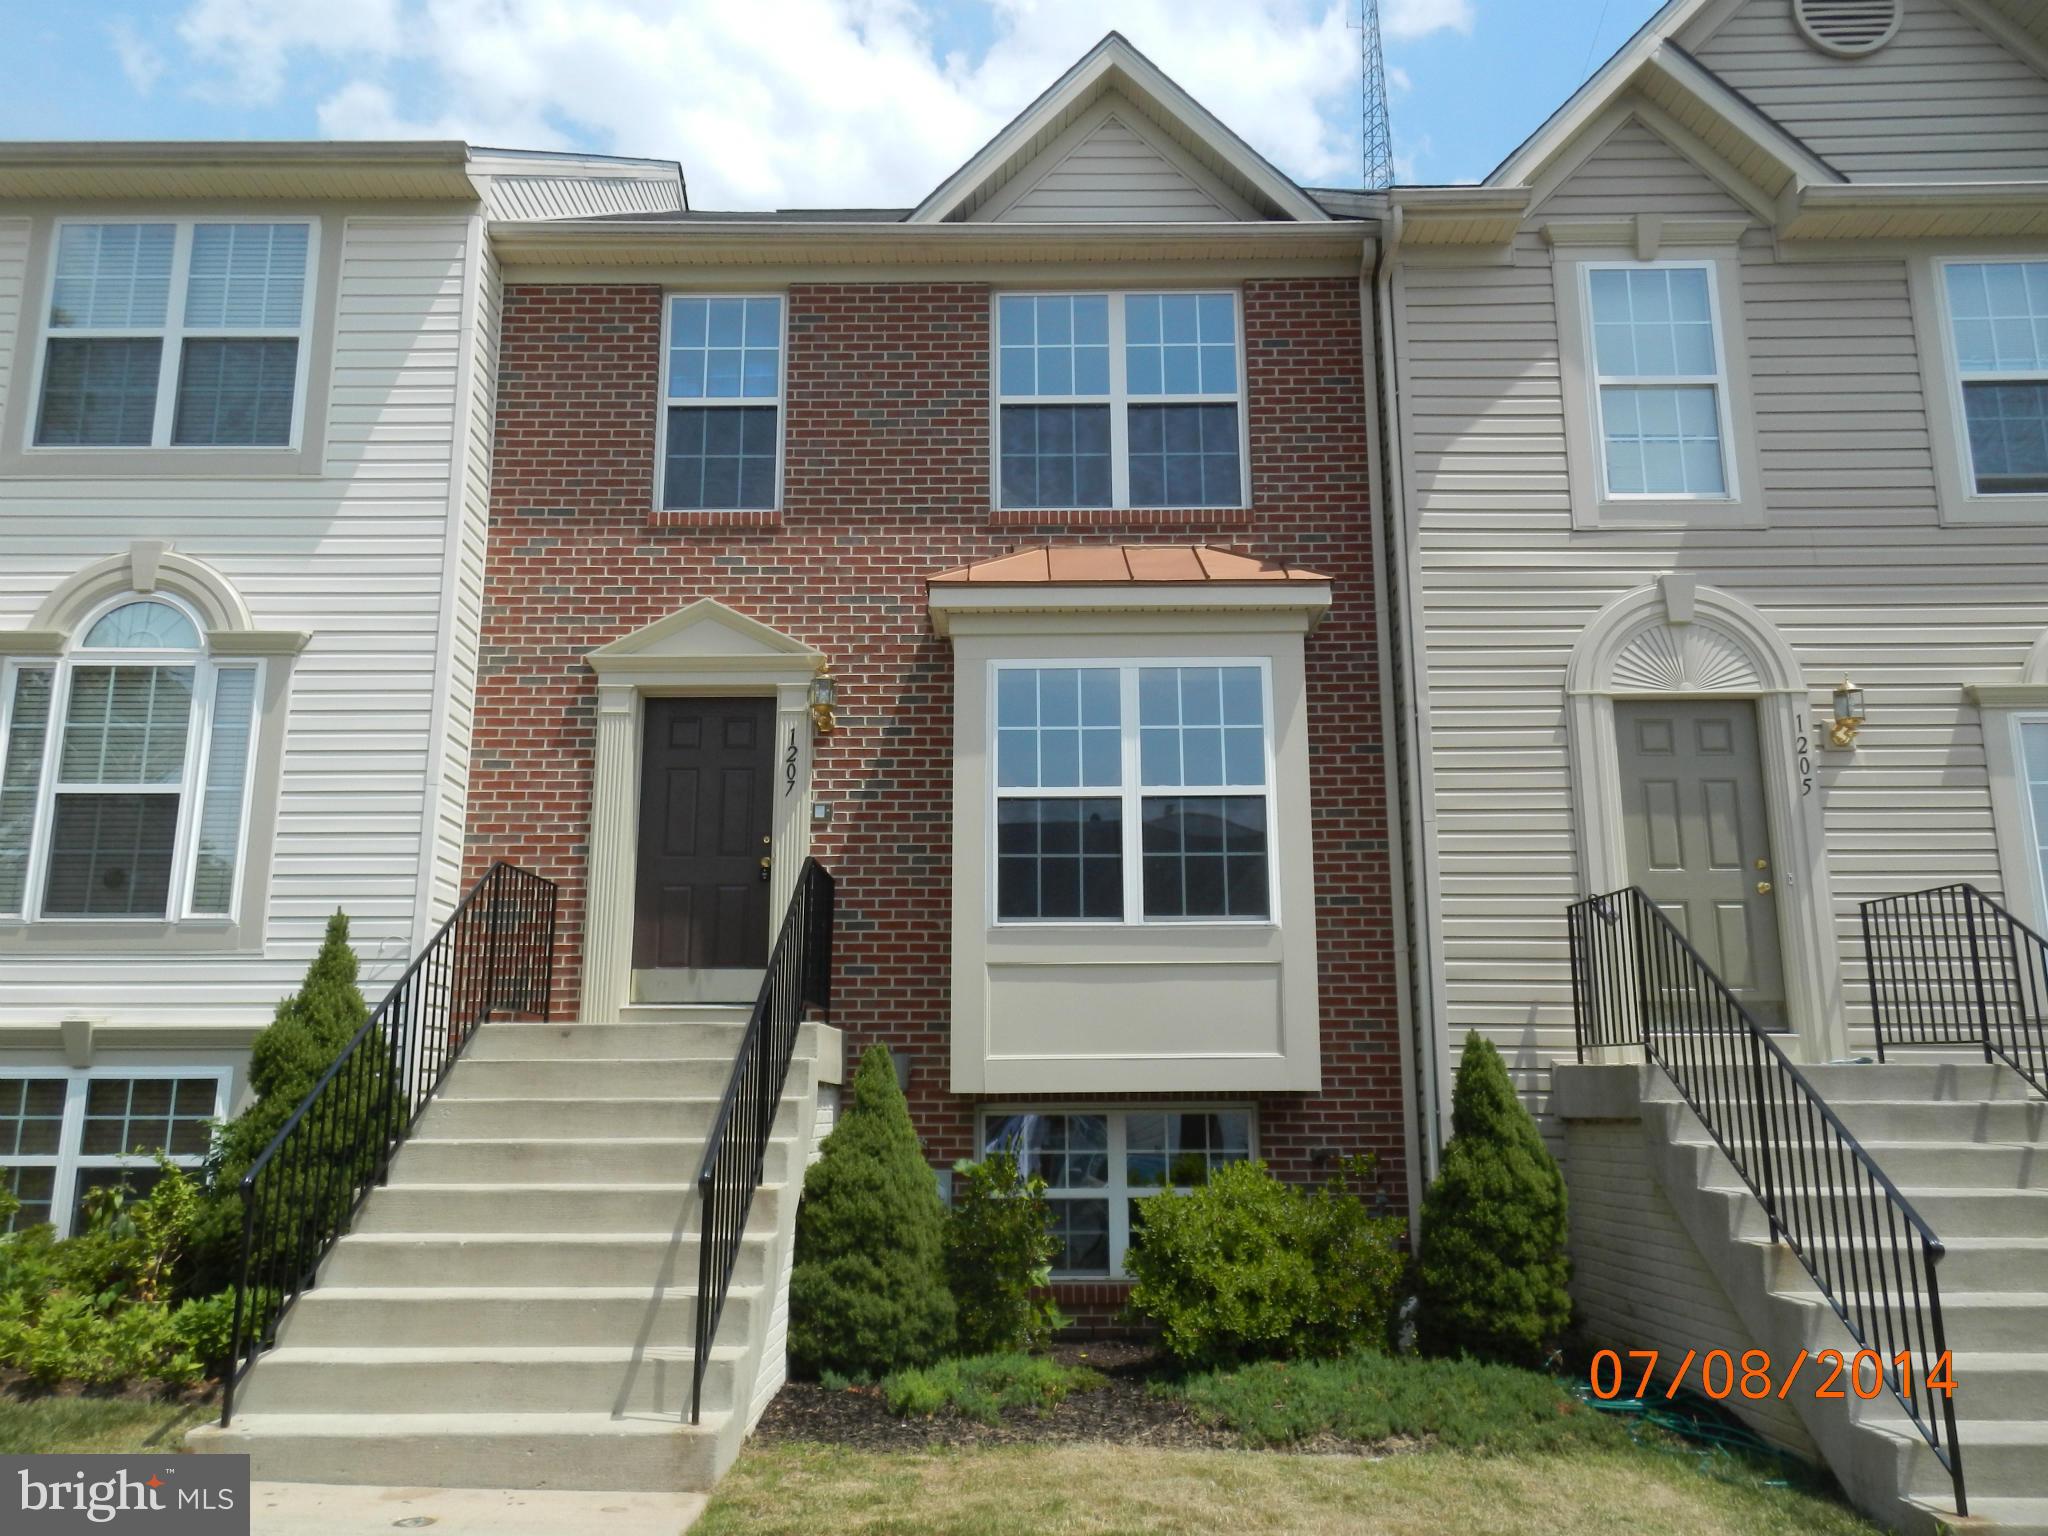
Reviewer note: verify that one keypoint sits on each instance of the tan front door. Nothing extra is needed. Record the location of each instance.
(1698, 842)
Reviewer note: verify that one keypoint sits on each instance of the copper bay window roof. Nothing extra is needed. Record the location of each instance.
(1122, 565)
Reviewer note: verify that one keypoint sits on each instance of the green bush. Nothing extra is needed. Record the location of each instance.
(1491, 1268)
(868, 1290)
(999, 1253)
(1462, 1403)
(1248, 1268)
(93, 1308)
(306, 1034)
(985, 1387)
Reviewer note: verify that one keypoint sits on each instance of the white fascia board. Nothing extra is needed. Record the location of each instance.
(1304, 602)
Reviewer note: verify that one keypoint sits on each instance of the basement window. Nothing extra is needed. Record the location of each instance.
(1100, 1166)
(65, 1133)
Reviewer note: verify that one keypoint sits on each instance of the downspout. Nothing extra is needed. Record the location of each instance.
(1410, 845)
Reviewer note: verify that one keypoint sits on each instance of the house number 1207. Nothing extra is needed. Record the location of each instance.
(789, 764)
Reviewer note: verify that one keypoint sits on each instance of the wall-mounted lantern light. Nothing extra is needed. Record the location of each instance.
(1848, 716)
(824, 695)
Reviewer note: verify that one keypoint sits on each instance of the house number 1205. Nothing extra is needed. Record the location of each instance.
(1802, 753)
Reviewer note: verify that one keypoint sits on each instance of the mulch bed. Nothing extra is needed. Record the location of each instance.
(1125, 1412)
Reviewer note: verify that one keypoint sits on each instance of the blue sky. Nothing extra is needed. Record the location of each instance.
(789, 102)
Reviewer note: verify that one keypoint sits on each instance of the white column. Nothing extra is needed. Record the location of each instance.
(792, 816)
(608, 872)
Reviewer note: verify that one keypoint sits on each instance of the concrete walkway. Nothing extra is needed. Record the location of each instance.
(335, 1509)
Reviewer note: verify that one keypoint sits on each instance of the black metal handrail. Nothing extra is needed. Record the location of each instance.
(799, 977)
(1950, 966)
(1636, 981)
(493, 957)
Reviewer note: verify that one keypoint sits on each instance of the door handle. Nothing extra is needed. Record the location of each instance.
(1763, 887)
(766, 864)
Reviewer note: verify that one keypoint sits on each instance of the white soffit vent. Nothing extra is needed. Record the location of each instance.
(1849, 28)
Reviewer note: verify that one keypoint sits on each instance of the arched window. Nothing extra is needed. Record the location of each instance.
(125, 773)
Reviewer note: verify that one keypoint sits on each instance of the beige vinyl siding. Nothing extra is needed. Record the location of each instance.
(1854, 569)
(575, 197)
(1636, 171)
(13, 265)
(1114, 173)
(1942, 101)
(357, 558)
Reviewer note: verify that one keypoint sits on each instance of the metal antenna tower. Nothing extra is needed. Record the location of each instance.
(1379, 132)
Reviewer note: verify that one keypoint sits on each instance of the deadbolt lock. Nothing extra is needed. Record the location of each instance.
(1763, 863)
(1763, 887)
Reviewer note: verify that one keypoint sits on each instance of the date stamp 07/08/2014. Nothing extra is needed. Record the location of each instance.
(1722, 1375)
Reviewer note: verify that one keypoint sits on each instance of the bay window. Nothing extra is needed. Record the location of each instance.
(187, 334)
(1132, 792)
(125, 772)
(1099, 1167)
(1119, 400)
(1998, 330)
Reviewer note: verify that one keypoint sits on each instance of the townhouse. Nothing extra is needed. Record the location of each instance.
(245, 428)
(1716, 548)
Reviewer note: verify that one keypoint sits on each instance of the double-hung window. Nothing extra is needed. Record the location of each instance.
(186, 335)
(1998, 325)
(1132, 792)
(1119, 400)
(124, 772)
(721, 422)
(1660, 381)
(1101, 1166)
(65, 1133)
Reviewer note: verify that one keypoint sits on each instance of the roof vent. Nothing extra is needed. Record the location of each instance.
(1848, 28)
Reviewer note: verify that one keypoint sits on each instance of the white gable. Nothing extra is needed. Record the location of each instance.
(1107, 165)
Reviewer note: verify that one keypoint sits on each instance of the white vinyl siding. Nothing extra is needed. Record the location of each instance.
(357, 556)
(14, 235)
(1942, 101)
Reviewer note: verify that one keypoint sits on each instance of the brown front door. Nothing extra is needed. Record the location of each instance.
(701, 897)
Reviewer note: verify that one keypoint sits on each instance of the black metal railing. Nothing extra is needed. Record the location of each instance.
(494, 957)
(736, 1148)
(1636, 981)
(1950, 966)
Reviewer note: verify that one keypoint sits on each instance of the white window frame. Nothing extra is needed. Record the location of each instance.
(1731, 491)
(2035, 834)
(191, 786)
(780, 402)
(69, 1160)
(174, 335)
(1958, 377)
(1131, 792)
(1118, 1190)
(1119, 400)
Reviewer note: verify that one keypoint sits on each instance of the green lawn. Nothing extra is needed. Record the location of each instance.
(32, 1425)
(1106, 1490)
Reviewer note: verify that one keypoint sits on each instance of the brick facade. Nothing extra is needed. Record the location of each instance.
(887, 480)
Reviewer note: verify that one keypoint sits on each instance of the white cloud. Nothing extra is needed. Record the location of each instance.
(778, 102)
(1398, 80)
(1405, 20)
(140, 59)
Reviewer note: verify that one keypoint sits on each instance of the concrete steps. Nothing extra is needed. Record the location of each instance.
(1967, 1144)
(517, 1307)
